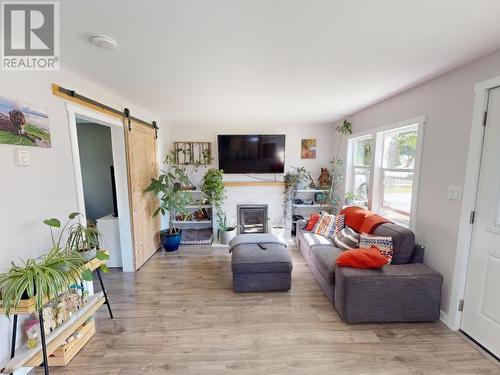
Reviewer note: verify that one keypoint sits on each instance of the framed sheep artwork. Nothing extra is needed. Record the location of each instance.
(23, 124)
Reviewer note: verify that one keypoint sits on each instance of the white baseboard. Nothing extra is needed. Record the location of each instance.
(446, 320)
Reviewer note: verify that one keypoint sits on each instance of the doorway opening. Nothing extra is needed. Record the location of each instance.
(101, 182)
(99, 187)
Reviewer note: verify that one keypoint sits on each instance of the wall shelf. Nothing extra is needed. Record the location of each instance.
(253, 183)
(311, 191)
(192, 221)
(311, 205)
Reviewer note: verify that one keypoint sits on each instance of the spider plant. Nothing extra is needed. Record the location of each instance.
(82, 240)
(45, 276)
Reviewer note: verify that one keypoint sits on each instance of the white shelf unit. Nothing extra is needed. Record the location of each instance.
(308, 209)
(315, 205)
(197, 224)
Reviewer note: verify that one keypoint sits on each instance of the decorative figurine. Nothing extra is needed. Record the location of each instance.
(32, 329)
(325, 179)
(48, 319)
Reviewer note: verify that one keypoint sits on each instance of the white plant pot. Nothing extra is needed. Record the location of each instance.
(301, 185)
(88, 255)
(227, 236)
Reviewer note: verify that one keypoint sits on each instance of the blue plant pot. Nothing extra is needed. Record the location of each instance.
(169, 241)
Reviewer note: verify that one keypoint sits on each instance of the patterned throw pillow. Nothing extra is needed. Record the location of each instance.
(325, 225)
(339, 223)
(384, 244)
(347, 239)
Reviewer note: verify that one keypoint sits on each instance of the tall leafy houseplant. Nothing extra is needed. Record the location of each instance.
(212, 187)
(42, 277)
(173, 198)
(337, 168)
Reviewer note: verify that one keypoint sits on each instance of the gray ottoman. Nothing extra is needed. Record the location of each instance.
(263, 268)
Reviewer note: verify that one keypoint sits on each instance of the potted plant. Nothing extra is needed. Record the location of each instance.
(83, 240)
(46, 276)
(173, 199)
(303, 178)
(349, 199)
(212, 187)
(227, 232)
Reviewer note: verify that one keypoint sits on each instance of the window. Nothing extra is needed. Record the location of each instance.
(398, 163)
(382, 170)
(361, 169)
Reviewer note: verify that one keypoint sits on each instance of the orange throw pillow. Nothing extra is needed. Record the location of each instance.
(312, 222)
(362, 258)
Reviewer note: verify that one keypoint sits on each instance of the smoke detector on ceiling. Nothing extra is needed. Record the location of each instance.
(104, 42)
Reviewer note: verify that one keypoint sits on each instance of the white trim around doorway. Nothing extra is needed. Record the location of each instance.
(454, 316)
(121, 177)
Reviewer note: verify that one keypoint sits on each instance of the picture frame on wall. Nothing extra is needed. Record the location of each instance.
(23, 124)
(308, 148)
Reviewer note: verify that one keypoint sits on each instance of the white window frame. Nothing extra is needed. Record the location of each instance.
(350, 175)
(375, 193)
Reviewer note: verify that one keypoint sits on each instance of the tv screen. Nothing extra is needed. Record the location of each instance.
(252, 153)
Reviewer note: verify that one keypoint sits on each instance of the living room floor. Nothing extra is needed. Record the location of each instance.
(179, 315)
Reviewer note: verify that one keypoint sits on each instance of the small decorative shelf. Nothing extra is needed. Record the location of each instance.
(192, 221)
(27, 306)
(199, 206)
(311, 191)
(311, 205)
(52, 342)
(33, 357)
(253, 183)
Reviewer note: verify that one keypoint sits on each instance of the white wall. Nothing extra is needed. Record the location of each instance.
(324, 134)
(46, 187)
(447, 101)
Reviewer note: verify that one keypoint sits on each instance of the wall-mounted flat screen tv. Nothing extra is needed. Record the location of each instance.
(252, 153)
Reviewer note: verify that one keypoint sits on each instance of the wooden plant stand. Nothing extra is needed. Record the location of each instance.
(50, 342)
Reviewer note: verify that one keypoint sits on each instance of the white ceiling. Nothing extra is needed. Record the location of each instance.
(272, 60)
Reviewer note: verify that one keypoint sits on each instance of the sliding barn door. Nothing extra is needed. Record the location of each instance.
(141, 159)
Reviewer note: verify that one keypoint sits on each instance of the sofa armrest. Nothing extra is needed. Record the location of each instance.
(395, 293)
(418, 254)
(301, 224)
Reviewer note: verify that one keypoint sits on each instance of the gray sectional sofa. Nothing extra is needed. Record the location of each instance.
(406, 290)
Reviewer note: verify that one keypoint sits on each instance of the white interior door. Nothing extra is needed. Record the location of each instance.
(481, 314)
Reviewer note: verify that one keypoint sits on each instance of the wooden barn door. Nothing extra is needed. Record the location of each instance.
(140, 142)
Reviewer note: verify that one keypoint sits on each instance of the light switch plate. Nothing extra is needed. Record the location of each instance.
(21, 157)
(454, 193)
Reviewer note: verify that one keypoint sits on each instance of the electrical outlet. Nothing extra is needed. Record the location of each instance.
(21, 157)
(454, 193)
